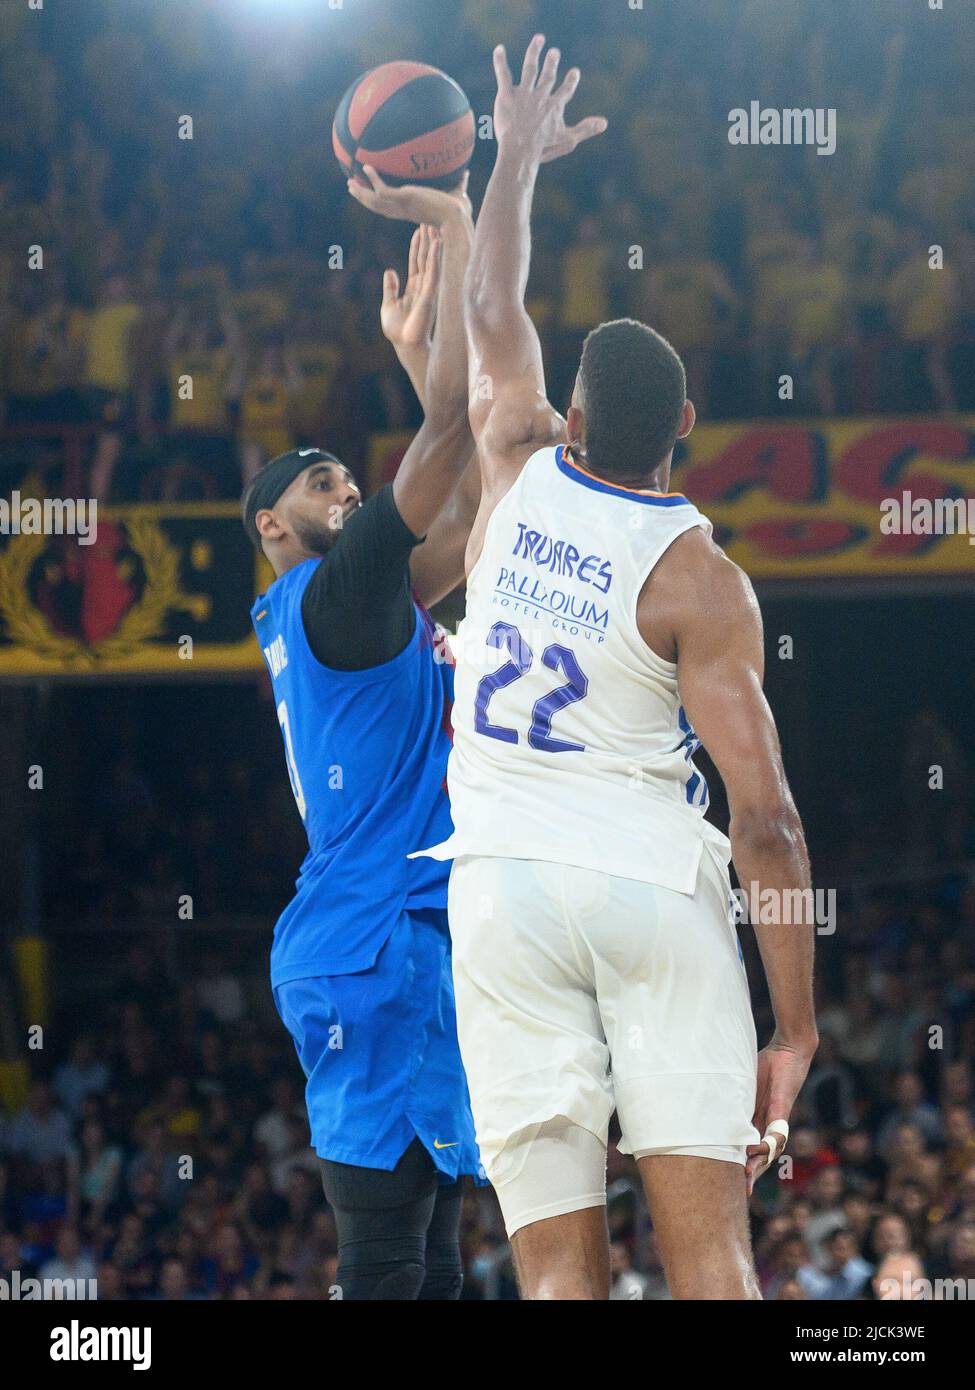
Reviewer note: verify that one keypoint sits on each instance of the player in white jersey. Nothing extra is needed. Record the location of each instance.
(595, 960)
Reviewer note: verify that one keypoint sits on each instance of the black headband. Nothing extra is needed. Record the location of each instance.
(274, 479)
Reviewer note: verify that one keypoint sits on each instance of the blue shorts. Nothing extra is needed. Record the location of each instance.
(379, 1049)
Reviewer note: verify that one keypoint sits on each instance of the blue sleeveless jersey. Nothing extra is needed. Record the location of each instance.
(367, 757)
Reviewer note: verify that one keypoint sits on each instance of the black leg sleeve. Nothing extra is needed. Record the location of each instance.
(382, 1220)
(445, 1272)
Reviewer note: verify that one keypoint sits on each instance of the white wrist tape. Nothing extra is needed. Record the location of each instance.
(776, 1136)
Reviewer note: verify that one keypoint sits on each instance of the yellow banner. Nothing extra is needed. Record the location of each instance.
(794, 500)
(841, 498)
(167, 589)
(163, 589)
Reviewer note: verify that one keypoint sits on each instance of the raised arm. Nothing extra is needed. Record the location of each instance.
(700, 606)
(407, 314)
(437, 456)
(407, 317)
(508, 409)
(437, 566)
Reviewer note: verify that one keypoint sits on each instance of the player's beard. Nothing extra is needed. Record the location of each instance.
(314, 537)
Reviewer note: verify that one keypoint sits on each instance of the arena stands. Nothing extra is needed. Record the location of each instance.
(237, 257)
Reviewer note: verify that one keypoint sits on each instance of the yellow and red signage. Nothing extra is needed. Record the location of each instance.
(804, 500)
(167, 589)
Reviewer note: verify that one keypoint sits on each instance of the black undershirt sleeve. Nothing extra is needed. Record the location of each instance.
(357, 608)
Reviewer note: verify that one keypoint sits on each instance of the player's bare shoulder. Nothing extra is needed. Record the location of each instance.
(694, 589)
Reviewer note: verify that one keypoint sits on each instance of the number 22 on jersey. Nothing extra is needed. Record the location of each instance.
(556, 658)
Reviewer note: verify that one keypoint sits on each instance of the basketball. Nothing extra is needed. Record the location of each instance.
(410, 121)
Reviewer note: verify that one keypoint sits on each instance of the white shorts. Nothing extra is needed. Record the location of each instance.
(579, 993)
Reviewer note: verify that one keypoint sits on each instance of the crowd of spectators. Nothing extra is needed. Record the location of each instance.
(235, 257)
(163, 1147)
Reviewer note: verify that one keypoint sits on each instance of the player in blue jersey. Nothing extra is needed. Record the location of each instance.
(360, 965)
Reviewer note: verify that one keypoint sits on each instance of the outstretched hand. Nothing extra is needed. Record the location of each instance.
(413, 202)
(407, 318)
(532, 115)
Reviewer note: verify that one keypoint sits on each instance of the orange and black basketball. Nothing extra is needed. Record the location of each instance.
(411, 122)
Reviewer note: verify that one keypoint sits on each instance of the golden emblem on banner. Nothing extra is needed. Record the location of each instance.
(143, 619)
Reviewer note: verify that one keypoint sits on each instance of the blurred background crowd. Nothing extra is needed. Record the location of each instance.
(163, 1146)
(236, 257)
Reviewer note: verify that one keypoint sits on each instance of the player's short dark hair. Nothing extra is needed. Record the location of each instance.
(633, 389)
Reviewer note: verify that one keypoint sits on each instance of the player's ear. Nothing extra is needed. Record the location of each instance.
(268, 526)
(575, 426)
(687, 418)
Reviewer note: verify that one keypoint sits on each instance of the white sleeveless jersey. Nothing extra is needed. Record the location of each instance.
(570, 741)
